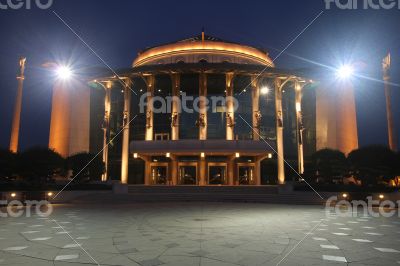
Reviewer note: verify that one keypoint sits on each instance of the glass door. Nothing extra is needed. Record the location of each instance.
(217, 174)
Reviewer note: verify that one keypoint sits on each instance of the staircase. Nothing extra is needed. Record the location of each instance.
(262, 194)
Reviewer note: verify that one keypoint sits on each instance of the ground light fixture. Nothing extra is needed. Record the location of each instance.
(13, 195)
(345, 195)
(49, 194)
(381, 196)
(135, 155)
(237, 155)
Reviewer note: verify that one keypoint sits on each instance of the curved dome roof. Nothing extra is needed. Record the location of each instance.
(203, 48)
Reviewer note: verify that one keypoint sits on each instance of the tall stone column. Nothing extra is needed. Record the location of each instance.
(300, 127)
(231, 170)
(202, 172)
(150, 80)
(230, 108)
(176, 108)
(202, 121)
(125, 136)
(279, 131)
(106, 128)
(389, 115)
(174, 170)
(17, 109)
(255, 96)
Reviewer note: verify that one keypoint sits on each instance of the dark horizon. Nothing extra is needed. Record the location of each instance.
(118, 31)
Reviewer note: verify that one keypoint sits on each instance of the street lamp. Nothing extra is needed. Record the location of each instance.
(63, 72)
(345, 72)
(264, 90)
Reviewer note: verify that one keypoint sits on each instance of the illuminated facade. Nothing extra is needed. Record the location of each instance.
(198, 112)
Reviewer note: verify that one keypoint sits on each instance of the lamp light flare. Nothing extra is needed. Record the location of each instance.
(345, 72)
(64, 72)
(264, 90)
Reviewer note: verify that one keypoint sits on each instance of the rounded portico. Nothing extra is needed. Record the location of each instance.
(205, 112)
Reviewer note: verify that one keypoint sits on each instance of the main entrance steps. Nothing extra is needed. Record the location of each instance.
(262, 194)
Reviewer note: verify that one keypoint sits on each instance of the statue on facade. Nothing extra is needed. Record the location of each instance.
(148, 119)
(201, 122)
(229, 120)
(174, 119)
(280, 119)
(257, 116)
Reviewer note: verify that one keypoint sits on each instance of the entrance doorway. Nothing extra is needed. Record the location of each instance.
(246, 173)
(217, 174)
(187, 174)
(159, 173)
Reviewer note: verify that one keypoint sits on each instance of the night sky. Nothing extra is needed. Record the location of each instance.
(118, 29)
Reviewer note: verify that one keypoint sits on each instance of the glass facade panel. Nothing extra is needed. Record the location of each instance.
(216, 113)
(242, 93)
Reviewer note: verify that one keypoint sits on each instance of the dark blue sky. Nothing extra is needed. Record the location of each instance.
(118, 29)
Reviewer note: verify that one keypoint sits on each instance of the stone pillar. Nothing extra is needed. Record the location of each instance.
(300, 127)
(125, 136)
(255, 95)
(389, 115)
(17, 109)
(257, 172)
(174, 170)
(202, 121)
(230, 108)
(106, 128)
(150, 81)
(231, 170)
(279, 132)
(202, 172)
(176, 106)
(147, 170)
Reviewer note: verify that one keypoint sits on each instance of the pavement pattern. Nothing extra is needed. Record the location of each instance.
(150, 234)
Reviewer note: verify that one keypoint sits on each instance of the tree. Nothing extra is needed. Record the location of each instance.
(86, 166)
(373, 163)
(39, 165)
(328, 163)
(8, 164)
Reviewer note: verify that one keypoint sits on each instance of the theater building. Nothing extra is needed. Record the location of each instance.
(202, 111)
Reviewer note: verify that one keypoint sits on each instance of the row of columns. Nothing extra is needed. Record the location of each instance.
(202, 122)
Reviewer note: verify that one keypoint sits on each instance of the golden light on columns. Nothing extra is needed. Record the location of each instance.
(279, 130)
(125, 137)
(299, 125)
(18, 107)
(389, 114)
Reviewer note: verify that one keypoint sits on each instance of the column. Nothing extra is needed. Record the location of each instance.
(150, 81)
(230, 108)
(389, 115)
(174, 169)
(202, 172)
(231, 170)
(279, 131)
(202, 121)
(300, 127)
(17, 109)
(176, 106)
(125, 136)
(255, 95)
(147, 170)
(106, 128)
(257, 172)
